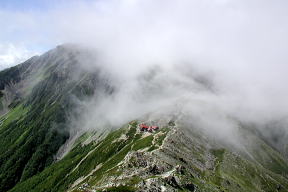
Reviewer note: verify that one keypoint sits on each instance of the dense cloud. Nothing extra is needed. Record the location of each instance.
(213, 60)
(239, 44)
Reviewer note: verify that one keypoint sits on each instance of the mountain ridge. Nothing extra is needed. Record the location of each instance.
(40, 97)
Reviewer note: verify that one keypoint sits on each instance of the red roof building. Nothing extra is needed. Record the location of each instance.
(144, 127)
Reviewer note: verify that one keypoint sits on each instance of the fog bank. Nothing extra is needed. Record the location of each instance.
(210, 60)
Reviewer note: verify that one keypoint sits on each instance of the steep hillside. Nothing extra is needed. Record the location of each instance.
(171, 159)
(41, 151)
(36, 100)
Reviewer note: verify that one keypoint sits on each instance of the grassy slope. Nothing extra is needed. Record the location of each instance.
(108, 153)
(98, 161)
(29, 143)
(233, 173)
(34, 129)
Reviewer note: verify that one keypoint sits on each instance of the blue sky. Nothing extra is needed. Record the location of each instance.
(19, 37)
(21, 18)
(35, 5)
(28, 28)
(24, 5)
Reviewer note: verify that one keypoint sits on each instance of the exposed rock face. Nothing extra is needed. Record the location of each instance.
(189, 162)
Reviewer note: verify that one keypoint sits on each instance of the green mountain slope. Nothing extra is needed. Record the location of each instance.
(130, 160)
(40, 95)
(39, 101)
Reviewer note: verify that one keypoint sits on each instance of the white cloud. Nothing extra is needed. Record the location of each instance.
(11, 55)
(243, 43)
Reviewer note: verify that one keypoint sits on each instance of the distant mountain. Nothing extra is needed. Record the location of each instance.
(37, 152)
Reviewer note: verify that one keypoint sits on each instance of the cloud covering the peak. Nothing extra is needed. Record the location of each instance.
(238, 47)
(241, 44)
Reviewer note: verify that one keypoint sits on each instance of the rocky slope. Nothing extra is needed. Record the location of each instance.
(171, 159)
(40, 96)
